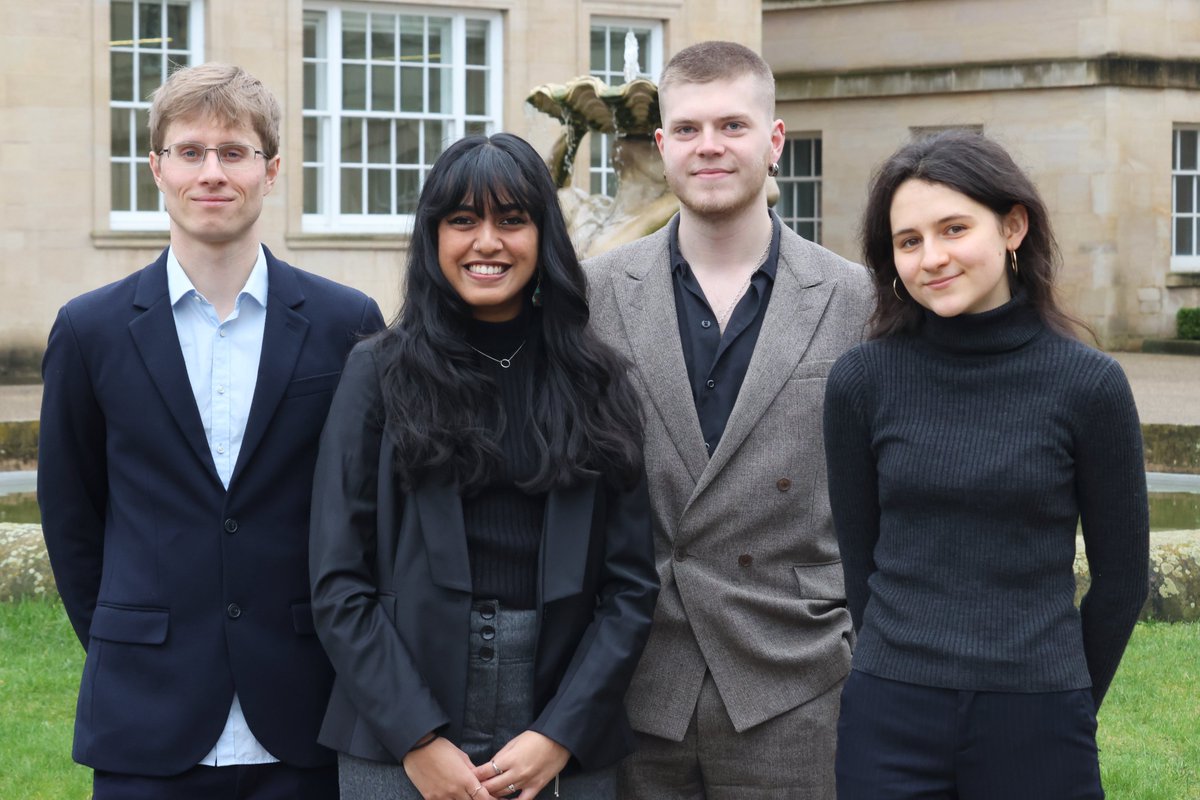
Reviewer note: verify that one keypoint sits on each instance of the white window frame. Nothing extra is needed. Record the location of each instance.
(332, 220)
(613, 74)
(787, 182)
(129, 220)
(1185, 263)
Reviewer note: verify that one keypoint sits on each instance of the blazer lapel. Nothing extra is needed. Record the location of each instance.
(157, 342)
(440, 509)
(565, 538)
(798, 301)
(646, 299)
(283, 336)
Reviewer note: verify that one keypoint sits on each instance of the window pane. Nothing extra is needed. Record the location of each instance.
(122, 144)
(151, 74)
(412, 89)
(597, 56)
(440, 51)
(786, 208)
(476, 92)
(379, 141)
(310, 86)
(311, 141)
(351, 191)
(476, 42)
(1183, 236)
(314, 42)
(354, 35)
(806, 200)
(616, 51)
(354, 87)
(785, 159)
(808, 230)
(383, 88)
(147, 192)
(379, 191)
(817, 145)
(120, 20)
(412, 39)
(120, 187)
(802, 166)
(177, 27)
(142, 130)
(312, 182)
(408, 141)
(383, 37)
(150, 24)
(643, 40)
(121, 65)
(435, 140)
(439, 90)
(1184, 197)
(352, 151)
(1187, 150)
(476, 128)
(407, 189)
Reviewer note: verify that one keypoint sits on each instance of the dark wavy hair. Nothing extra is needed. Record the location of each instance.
(440, 405)
(973, 165)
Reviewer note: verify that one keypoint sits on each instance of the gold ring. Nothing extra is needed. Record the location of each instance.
(498, 770)
(475, 791)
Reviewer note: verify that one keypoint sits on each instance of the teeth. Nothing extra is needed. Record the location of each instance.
(485, 269)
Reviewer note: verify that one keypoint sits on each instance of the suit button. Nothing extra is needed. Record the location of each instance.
(783, 484)
(233, 610)
(231, 526)
(486, 653)
(487, 632)
(680, 554)
(745, 560)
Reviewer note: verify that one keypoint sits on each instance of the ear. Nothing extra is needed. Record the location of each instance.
(156, 169)
(778, 138)
(272, 172)
(659, 139)
(1014, 225)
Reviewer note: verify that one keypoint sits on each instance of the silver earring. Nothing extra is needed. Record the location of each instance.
(773, 170)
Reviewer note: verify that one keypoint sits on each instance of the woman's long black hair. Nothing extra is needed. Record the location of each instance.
(440, 405)
(976, 166)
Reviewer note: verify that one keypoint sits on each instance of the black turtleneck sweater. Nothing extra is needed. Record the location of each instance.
(961, 459)
(504, 523)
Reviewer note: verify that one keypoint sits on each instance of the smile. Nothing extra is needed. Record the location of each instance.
(940, 282)
(487, 269)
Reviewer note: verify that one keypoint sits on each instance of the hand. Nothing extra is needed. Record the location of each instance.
(441, 771)
(529, 762)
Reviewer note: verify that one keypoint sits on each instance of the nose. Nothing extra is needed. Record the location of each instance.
(933, 255)
(710, 142)
(487, 238)
(211, 168)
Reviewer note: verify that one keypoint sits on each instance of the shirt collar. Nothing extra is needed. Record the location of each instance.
(179, 285)
(680, 265)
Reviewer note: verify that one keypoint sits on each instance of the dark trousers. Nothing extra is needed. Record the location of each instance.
(238, 782)
(900, 741)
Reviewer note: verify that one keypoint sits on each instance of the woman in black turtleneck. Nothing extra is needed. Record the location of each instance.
(482, 566)
(965, 442)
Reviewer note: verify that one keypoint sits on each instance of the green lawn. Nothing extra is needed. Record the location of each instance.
(1149, 725)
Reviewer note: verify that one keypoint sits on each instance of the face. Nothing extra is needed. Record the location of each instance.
(212, 204)
(717, 142)
(489, 260)
(951, 252)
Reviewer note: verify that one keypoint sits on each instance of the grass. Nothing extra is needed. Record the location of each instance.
(1149, 726)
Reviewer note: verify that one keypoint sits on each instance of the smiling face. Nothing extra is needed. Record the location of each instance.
(211, 204)
(951, 253)
(717, 142)
(489, 258)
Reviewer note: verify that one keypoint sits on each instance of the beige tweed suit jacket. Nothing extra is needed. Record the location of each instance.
(751, 579)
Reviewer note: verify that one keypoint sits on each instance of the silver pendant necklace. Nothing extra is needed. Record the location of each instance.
(504, 363)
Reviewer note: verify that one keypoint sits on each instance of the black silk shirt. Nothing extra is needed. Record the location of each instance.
(717, 364)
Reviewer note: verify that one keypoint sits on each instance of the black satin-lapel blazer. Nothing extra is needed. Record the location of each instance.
(392, 595)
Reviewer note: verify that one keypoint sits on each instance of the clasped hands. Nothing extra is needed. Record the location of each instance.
(441, 771)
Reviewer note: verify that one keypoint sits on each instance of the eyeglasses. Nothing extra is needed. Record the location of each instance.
(232, 156)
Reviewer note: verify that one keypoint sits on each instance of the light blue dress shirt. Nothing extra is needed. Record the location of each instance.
(222, 365)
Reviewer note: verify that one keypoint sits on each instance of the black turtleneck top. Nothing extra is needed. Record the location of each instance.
(961, 459)
(503, 522)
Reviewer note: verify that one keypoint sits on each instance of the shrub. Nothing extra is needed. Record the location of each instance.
(1187, 323)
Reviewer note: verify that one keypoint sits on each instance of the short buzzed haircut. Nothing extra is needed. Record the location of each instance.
(222, 92)
(705, 62)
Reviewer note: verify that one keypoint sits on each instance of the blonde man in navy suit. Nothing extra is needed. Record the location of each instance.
(179, 430)
(732, 322)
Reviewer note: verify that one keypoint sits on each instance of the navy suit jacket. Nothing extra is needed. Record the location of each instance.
(181, 591)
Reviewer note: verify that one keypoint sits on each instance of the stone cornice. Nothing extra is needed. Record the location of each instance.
(1140, 72)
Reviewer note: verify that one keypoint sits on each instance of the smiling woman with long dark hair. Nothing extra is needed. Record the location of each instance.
(482, 566)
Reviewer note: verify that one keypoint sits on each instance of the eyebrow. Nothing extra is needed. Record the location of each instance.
(941, 221)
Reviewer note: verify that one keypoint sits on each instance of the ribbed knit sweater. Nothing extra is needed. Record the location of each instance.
(961, 459)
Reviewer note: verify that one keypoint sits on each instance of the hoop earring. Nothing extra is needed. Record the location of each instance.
(898, 297)
(1013, 253)
(773, 170)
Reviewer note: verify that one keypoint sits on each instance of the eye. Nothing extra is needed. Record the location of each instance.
(907, 243)
(189, 152)
(233, 153)
(736, 126)
(956, 228)
(513, 220)
(684, 130)
(460, 220)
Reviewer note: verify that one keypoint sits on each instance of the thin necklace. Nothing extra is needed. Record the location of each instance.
(505, 363)
(723, 319)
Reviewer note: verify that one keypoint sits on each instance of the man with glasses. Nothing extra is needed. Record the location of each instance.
(179, 428)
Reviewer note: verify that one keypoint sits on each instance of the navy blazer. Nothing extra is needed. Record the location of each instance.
(181, 591)
(392, 595)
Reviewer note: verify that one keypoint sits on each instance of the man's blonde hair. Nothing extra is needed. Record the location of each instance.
(705, 62)
(221, 92)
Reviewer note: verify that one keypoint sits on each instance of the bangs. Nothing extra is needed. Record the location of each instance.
(485, 177)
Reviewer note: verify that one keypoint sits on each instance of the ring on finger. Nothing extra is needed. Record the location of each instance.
(498, 770)
(511, 788)
(475, 791)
